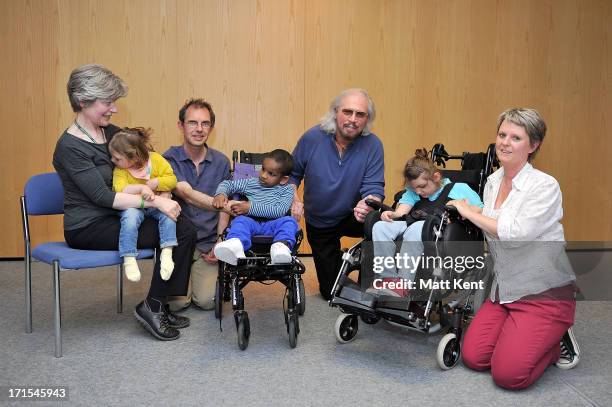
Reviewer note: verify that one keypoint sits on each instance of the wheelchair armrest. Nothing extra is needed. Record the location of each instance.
(452, 211)
(379, 206)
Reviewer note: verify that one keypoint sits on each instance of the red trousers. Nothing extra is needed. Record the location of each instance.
(519, 340)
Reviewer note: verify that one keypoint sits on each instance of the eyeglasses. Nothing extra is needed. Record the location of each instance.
(350, 112)
(193, 124)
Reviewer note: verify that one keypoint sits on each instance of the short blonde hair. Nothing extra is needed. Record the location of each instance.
(530, 120)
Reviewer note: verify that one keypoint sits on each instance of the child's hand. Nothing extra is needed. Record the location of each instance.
(147, 193)
(240, 208)
(219, 201)
(153, 183)
(387, 216)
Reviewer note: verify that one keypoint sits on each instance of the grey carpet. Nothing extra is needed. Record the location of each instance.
(110, 360)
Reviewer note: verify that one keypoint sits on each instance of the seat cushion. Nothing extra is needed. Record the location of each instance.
(80, 259)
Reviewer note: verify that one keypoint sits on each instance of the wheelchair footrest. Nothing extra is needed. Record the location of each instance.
(351, 294)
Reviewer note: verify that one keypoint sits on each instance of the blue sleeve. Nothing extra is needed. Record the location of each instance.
(299, 163)
(231, 187)
(409, 198)
(374, 178)
(463, 191)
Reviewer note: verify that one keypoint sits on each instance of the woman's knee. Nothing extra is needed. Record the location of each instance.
(511, 376)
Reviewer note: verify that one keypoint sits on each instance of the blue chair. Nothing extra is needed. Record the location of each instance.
(44, 195)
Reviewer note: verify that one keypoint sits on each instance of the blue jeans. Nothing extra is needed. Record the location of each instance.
(130, 223)
(283, 229)
(384, 235)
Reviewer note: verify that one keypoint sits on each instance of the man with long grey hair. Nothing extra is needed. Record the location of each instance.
(342, 164)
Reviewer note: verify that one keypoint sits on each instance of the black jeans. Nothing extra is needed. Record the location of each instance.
(103, 234)
(325, 244)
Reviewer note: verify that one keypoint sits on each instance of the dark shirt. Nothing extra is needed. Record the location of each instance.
(86, 171)
(332, 184)
(214, 169)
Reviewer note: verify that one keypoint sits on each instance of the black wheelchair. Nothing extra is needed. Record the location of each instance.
(257, 267)
(440, 304)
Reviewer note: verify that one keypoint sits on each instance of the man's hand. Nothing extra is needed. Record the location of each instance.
(153, 183)
(362, 209)
(219, 201)
(147, 193)
(240, 208)
(297, 209)
(209, 257)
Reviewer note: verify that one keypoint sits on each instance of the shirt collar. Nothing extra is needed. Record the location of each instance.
(519, 181)
(180, 154)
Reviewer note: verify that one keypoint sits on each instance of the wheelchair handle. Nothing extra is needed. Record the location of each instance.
(372, 203)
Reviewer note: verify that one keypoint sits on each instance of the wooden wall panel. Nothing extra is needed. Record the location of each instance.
(439, 71)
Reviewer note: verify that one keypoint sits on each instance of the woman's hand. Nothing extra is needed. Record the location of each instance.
(167, 206)
(388, 216)
(462, 205)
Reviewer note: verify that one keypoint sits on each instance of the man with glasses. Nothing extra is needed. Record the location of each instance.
(342, 165)
(199, 169)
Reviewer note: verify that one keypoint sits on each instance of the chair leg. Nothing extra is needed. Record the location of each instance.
(120, 289)
(57, 320)
(28, 292)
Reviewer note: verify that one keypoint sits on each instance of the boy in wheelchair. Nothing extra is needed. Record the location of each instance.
(269, 198)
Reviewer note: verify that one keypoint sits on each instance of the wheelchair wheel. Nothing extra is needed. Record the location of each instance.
(293, 329)
(218, 299)
(346, 327)
(449, 351)
(368, 319)
(301, 307)
(244, 330)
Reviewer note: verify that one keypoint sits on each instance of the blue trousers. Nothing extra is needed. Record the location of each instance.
(283, 229)
(130, 223)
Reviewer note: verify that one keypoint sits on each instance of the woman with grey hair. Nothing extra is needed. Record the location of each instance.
(91, 208)
(525, 325)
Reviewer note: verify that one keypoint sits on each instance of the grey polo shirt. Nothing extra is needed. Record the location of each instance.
(214, 169)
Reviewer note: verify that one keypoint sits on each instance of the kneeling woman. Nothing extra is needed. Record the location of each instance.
(526, 324)
(91, 208)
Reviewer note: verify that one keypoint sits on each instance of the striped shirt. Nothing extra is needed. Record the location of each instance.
(266, 202)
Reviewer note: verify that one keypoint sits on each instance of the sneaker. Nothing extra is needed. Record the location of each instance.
(570, 352)
(229, 251)
(280, 253)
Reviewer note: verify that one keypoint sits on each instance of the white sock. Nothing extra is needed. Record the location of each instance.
(130, 268)
(166, 264)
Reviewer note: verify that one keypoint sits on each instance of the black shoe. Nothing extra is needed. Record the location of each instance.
(570, 352)
(155, 322)
(176, 321)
